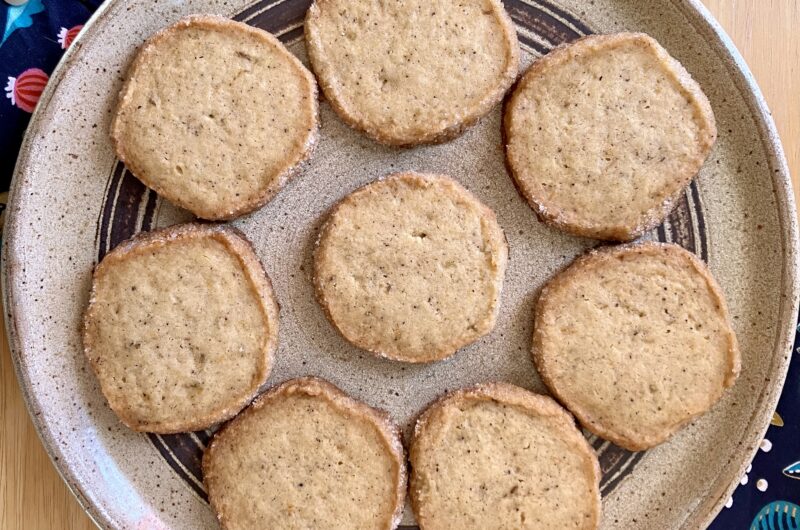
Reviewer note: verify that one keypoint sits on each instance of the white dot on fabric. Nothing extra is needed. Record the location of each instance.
(762, 485)
(749, 468)
(766, 445)
(743, 481)
(729, 502)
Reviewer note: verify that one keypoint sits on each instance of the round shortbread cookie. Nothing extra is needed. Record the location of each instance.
(636, 341)
(496, 456)
(602, 135)
(411, 267)
(181, 327)
(306, 455)
(215, 116)
(407, 72)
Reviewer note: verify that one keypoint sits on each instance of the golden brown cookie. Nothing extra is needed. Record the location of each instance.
(407, 72)
(411, 267)
(496, 456)
(215, 116)
(636, 341)
(181, 327)
(602, 135)
(306, 455)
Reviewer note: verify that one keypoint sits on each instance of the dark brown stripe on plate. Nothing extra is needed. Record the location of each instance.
(279, 16)
(566, 15)
(541, 23)
(163, 446)
(108, 207)
(126, 209)
(701, 221)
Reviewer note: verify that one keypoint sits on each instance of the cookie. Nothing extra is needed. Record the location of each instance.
(306, 455)
(411, 267)
(636, 341)
(409, 72)
(603, 135)
(496, 456)
(181, 327)
(215, 116)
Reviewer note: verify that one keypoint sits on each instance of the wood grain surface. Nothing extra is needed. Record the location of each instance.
(32, 495)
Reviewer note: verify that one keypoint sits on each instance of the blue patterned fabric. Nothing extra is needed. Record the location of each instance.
(31, 39)
(769, 493)
(35, 33)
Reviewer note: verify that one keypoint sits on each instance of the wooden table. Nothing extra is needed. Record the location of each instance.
(32, 495)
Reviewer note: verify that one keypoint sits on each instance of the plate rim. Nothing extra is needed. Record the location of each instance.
(8, 241)
(704, 23)
(706, 511)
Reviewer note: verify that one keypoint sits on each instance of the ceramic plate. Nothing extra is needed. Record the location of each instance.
(72, 201)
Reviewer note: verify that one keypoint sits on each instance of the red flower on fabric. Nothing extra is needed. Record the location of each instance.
(66, 36)
(25, 89)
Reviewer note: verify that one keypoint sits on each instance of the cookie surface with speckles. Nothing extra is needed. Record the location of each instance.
(306, 455)
(160, 334)
(215, 116)
(407, 72)
(496, 456)
(636, 341)
(411, 267)
(603, 135)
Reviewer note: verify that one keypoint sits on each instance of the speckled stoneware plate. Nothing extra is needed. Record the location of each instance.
(72, 201)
